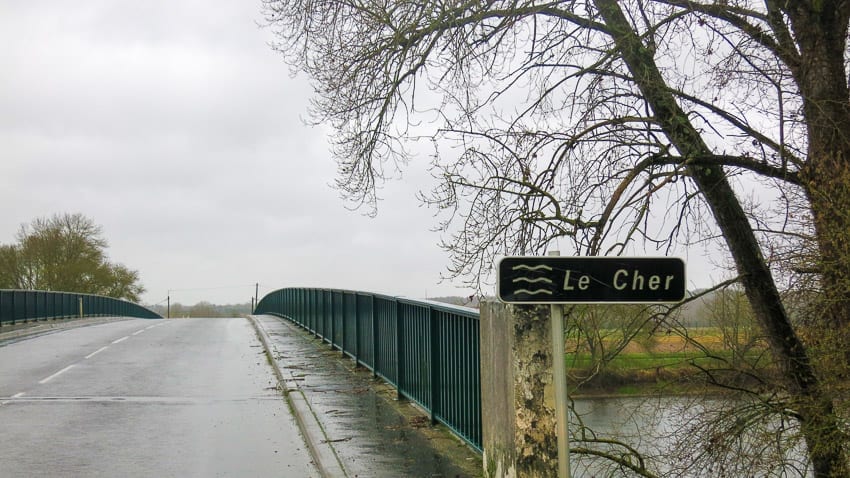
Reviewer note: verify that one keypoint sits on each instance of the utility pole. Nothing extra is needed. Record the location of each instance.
(256, 296)
(168, 309)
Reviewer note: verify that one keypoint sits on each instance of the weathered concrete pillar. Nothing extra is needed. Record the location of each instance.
(517, 392)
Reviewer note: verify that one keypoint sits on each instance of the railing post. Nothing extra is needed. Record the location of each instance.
(399, 347)
(27, 315)
(433, 326)
(322, 313)
(356, 330)
(314, 304)
(333, 318)
(342, 337)
(308, 317)
(374, 338)
(310, 311)
(39, 307)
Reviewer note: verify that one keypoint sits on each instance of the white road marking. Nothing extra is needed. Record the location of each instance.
(6, 402)
(97, 352)
(69, 367)
(121, 339)
(138, 332)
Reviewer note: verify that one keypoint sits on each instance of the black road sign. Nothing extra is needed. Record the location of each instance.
(571, 280)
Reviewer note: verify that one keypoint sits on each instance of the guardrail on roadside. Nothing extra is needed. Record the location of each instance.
(28, 305)
(428, 350)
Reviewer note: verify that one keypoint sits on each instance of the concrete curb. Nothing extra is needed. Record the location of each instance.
(324, 455)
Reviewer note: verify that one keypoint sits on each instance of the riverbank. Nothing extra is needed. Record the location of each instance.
(670, 365)
(636, 384)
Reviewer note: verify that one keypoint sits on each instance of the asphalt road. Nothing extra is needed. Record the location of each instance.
(187, 397)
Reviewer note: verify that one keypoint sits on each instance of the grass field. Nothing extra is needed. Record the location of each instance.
(666, 360)
(650, 361)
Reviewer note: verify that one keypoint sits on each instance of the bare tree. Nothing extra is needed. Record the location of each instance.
(616, 125)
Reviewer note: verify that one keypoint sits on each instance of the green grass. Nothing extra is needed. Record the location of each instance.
(647, 360)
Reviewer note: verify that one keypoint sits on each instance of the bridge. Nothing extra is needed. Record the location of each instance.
(318, 382)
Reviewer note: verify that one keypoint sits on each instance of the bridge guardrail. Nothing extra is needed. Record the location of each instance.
(428, 350)
(27, 305)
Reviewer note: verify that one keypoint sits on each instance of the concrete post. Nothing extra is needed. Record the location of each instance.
(517, 392)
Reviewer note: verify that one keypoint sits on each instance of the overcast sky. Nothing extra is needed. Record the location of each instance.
(175, 127)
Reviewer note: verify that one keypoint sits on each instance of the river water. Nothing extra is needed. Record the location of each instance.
(684, 437)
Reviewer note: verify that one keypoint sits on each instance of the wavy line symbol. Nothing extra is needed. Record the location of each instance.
(532, 281)
(532, 292)
(531, 268)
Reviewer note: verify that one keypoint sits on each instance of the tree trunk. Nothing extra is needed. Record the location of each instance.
(826, 179)
(818, 421)
(821, 78)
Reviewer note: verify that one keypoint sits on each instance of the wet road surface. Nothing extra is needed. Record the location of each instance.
(188, 397)
(373, 434)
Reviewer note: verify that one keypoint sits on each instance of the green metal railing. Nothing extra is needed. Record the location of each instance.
(428, 350)
(28, 305)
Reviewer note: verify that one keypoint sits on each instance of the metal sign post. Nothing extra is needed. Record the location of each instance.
(559, 370)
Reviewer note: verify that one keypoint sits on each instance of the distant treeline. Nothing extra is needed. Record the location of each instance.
(203, 309)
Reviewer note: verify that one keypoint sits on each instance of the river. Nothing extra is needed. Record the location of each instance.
(684, 437)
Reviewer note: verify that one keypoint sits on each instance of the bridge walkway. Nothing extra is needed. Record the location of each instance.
(371, 432)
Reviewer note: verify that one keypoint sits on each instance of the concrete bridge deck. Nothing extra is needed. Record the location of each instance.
(198, 397)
